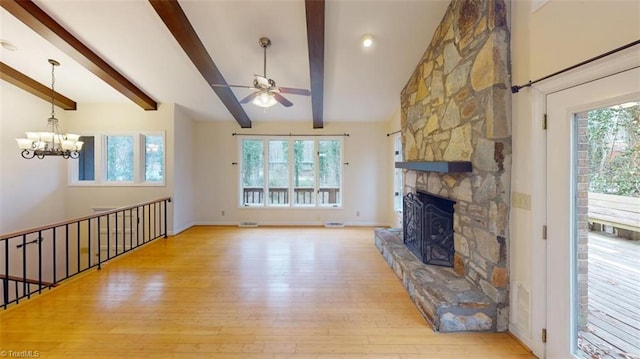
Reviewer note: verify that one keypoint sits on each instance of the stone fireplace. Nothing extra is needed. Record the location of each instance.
(456, 108)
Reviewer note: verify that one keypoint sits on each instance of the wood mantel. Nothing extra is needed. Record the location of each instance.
(436, 166)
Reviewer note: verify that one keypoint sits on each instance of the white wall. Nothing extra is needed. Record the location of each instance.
(559, 34)
(102, 118)
(366, 178)
(183, 172)
(31, 191)
(394, 124)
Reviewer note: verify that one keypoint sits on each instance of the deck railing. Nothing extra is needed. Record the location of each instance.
(40, 258)
(301, 196)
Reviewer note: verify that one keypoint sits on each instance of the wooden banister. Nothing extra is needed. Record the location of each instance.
(29, 281)
(59, 224)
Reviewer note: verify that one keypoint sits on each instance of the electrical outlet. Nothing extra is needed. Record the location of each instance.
(222, 212)
(357, 213)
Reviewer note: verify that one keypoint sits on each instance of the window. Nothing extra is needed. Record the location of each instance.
(278, 172)
(154, 158)
(253, 172)
(299, 172)
(86, 160)
(304, 172)
(329, 170)
(120, 159)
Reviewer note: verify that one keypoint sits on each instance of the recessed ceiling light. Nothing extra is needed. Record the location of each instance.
(367, 41)
(7, 45)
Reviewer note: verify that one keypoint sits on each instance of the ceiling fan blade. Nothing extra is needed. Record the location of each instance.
(295, 91)
(250, 97)
(283, 101)
(241, 86)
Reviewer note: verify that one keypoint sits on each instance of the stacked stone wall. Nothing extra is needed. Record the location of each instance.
(456, 107)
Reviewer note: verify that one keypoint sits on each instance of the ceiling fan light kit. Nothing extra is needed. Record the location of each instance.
(52, 143)
(264, 100)
(367, 41)
(266, 93)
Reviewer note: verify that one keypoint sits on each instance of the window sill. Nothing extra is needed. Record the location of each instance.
(115, 184)
(285, 207)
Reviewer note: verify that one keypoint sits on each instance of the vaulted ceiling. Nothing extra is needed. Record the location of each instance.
(173, 63)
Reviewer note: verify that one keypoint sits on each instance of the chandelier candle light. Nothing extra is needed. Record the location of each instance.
(52, 143)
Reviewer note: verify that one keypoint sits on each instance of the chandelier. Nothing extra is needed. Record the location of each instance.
(52, 143)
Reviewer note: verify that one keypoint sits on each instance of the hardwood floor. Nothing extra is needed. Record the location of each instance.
(227, 292)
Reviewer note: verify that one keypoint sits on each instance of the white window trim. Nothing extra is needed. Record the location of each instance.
(100, 162)
(341, 164)
(291, 204)
(142, 158)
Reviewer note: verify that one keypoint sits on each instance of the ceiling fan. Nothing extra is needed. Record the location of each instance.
(266, 92)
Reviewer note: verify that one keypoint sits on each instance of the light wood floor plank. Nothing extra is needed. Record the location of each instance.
(226, 292)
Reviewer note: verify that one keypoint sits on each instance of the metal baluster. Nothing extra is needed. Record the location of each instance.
(131, 228)
(6, 273)
(116, 226)
(24, 264)
(78, 247)
(124, 232)
(144, 225)
(39, 264)
(138, 226)
(155, 221)
(66, 252)
(55, 261)
(99, 246)
(108, 237)
(89, 242)
(165, 218)
(149, 219)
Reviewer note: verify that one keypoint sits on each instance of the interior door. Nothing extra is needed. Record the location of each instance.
(562, 224)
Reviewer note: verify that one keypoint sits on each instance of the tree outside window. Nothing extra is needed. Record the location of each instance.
(300, 172)
(120, 167)
(154, 158)
(614, 150)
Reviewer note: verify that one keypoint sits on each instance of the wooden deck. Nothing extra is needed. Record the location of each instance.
(614, 298)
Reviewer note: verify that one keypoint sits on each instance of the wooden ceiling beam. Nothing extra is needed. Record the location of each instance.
(315, 42)
(44, 25)
(178, 24)
(33, 87)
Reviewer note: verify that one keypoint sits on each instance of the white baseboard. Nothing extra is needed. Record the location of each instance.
(291, 224)
(180, 229)
(520, 335)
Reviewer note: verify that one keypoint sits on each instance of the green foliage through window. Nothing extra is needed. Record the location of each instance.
(154, 158)
(252, 163)
(131, 158)
(120, 166)
(309, 175)
(614, 150)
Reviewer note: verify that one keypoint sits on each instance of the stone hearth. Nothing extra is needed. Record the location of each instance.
(448, 302)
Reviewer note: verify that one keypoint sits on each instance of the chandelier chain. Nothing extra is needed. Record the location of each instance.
(53, 92)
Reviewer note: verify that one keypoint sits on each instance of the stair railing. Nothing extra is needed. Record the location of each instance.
(40, 258)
